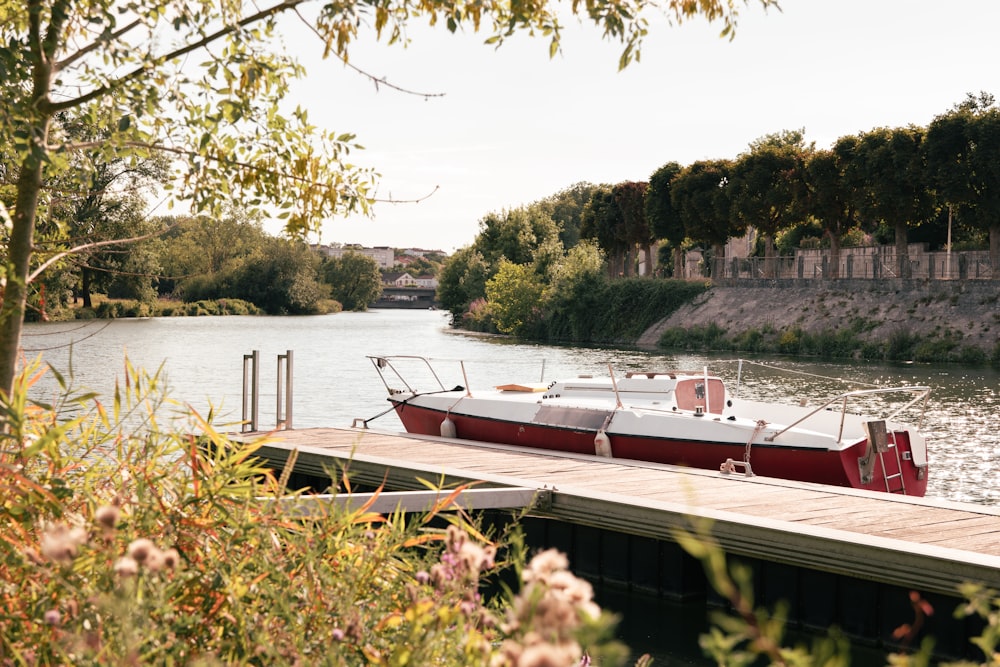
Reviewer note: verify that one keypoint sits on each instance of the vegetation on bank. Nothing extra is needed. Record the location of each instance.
(850, 342)
(201, 266)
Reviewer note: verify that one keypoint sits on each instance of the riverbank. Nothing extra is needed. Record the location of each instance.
(938, 321)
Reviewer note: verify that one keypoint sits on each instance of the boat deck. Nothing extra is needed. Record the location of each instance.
(928, 544)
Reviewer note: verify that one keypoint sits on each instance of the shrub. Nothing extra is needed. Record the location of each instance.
(900, 346)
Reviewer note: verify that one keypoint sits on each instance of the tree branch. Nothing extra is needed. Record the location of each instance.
(53, 107)
(371, 77)
(69, 60)
(96, 244)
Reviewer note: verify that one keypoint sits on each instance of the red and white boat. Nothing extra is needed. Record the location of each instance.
(682, 418)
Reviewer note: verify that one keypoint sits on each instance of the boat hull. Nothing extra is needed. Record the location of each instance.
(807, 463)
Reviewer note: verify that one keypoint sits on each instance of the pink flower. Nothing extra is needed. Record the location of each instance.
(107, 516)
(126, 566)
(61, 544)
(140, 549)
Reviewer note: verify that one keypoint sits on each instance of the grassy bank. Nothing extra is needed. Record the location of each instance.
(843, 343)
(104, 308)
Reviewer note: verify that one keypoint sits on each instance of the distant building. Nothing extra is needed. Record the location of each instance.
(383, 255)
(395, 279)
(405, 279)
(421, 252)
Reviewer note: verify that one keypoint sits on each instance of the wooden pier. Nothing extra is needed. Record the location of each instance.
(822, 533)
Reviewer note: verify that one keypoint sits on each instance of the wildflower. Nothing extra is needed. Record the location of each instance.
(423, 576)
(61, 544)
(126, 566)
(52, 617)
(171, 559)
(154, 560)
(140, 549)
(107, 516)
(338, 635)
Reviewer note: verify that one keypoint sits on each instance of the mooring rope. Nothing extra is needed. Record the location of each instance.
(753, 436)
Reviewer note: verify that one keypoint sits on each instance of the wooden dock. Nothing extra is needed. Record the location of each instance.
(925, 544)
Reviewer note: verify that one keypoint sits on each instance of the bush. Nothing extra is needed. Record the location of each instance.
(900, 346)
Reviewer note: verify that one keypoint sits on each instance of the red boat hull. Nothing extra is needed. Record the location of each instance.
(785, 461)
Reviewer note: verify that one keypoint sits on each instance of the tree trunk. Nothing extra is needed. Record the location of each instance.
(769, 263)
(834, 271)
(678, 262)
(15, 292)
(650, 272)
(902, 254)
(718, 261)
(85, 287)
(995, 250)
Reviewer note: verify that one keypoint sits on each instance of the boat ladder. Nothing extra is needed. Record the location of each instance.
(893, 452)
(880, 443)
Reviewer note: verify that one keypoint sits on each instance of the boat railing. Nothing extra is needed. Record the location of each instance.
(384, 364)
(920, 394)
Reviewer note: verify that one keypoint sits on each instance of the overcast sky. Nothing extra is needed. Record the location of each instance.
(514, 126)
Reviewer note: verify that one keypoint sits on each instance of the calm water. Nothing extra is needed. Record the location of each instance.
(334, 382)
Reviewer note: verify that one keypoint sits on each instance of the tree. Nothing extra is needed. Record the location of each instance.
(962, 148)
(129, 70)
(830, 200)
(514, 235)
(664, 220)
(355, 280)
(565, 208)
(574, 296)
(702, 197)
(462, 280)
(515, 295)
(765, 187)
(630, 196)
(203, 247)
(602, 220)
(891, 174)
(282, 280)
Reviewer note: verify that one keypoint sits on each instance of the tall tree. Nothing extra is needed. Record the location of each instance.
(631, 199)
(963, 153)
(890, 171)
(829, 199)
(702, 195)
(664, 220)
(204, 81)
(766, 183)
(602, 220)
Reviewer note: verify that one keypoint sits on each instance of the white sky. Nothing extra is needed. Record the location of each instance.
(514, 126)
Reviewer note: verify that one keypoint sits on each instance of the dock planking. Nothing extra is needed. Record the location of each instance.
(932, 545)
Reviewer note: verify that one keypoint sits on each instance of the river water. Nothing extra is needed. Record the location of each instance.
(335, 383)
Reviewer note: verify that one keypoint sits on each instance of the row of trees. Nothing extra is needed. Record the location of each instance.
(895, 179)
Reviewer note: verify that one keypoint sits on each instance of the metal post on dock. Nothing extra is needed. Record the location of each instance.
(251, 385)
(283, 420)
